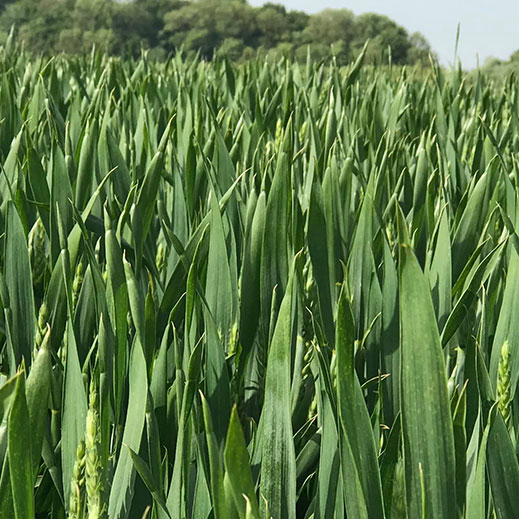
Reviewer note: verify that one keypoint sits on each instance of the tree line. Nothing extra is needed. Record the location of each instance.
(502, 69)
(209, 27)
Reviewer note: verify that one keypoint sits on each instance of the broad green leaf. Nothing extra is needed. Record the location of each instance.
(19, 454)
(502, 466)
(476, 495)
(360, 472)
(124, 476)
(176, 494)
(146, 475)
(274, 251)
(507, 325)
(37, 388)
(220, 506)
(250, 279)
(18, 279)
(237, 466)
(74, 411)
(426, 419)
(278, 462)
(318, 247)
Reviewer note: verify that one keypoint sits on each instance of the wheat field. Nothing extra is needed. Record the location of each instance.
(268, 290)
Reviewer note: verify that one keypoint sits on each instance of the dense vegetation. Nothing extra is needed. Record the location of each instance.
(261, 290)
(208, 27)
(502, 69)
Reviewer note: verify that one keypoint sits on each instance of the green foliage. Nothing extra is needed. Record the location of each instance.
(210, 28)
(388, 38)
(267, 289)
(502, 69)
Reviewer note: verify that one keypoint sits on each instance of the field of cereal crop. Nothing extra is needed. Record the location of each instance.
(253, 291)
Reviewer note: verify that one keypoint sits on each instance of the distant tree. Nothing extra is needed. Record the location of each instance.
(331, 27)
(50, 26)
(387, 38)
(94, 18)
(231, 48)
(280, 29)
(209, 27)
(204, 24)
(38, 23)
(272, 23)
(235, 19)
(501, 69)
(145, 26)
(419, 50)
(297, 21)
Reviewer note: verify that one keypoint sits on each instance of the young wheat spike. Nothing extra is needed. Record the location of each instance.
(43, 315)
(504, 396)
(78, 281)
(93, 469)
(77, 487)
(160, 258)
(38, 251)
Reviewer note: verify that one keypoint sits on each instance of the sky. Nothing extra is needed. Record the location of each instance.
(487, 28)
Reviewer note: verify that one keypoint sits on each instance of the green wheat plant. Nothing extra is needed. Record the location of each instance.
(267, 290)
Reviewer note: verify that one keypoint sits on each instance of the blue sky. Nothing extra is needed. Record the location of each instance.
(488, 28)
